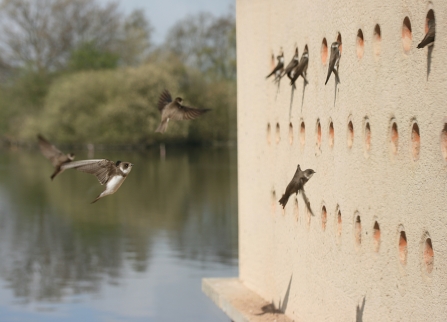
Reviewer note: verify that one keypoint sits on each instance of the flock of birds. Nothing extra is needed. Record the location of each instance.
(111, 173)
(298, 67)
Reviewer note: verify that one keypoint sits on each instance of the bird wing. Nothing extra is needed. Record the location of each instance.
(332, 61)
(290, 66)
(188, 113)
(165, 98)
(300, 68)
(49, 150)
(103, 169)
(279, 66)
(429, 37)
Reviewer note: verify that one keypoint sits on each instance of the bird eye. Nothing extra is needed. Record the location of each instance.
(125, 166)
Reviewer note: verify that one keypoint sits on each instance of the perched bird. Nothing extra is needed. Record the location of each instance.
(298, 181)
(56, 157)
(301, 68)
(429, 38)
(293, 63)
(334, 60)
(108, 172)
(174, 110)
(277, 71)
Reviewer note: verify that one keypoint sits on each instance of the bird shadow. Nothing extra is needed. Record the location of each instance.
(307, 202)
(359, 311)
(337, 81)
(430, 50)
(271, 308)
(291, 100)
(304, 90)
(278, 82)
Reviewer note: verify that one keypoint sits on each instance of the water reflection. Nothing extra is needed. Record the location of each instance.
(176, 218)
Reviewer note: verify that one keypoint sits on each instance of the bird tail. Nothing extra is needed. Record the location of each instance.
(162, 127)
(56, 172)
(328, 76)
(283, 200)
(97, 198)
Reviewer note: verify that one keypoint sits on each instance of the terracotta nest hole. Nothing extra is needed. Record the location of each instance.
(331, 134)
(428, 255)
(394, 138)
(407, 36)
(318, 133)
(430, 16)
(269, 133)
(324, 51)
(302, 133)
(367, 136)
(350, 134)
(358, 231)
(360, 44)
(403, 251)
(444, 141)
(376, 236)
(415, 141)
(323, 218)
(278, 135)
(290, 133)
(339, 224)
(340, 42)
(377, 39)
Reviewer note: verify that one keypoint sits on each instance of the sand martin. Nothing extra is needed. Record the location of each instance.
(277, 71)
(174, 110)
(108, 172)
(301, 68)
(56, 157)
(429, 38)
(293, 63)
(334, 61)
(298, 181)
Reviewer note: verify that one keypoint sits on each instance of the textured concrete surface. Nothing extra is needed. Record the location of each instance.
(347, 268)
(238, 302)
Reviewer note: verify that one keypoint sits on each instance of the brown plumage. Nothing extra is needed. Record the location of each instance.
(56, 157)
(298, 181)
(301, 68)
(293, 63)
(277, 71)
(334, 60)
(430, 36)
(174, 110)
(110, 173)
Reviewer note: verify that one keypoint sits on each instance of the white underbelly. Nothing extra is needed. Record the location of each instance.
(114, 184)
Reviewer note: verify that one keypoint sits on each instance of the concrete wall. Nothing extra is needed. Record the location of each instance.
(345, 269)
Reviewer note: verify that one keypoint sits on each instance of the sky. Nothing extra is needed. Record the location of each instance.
(163, 14)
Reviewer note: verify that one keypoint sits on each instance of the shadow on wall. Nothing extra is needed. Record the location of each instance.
(271, 309)
(359, 313)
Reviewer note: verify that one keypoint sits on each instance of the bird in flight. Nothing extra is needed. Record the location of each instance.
(175, 110)
(297, 184)
(56, 157)
(110, 173)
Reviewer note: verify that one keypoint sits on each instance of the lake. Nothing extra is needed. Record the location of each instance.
(137, 255)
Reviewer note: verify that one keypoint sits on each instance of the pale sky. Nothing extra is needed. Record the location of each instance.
(162, 14)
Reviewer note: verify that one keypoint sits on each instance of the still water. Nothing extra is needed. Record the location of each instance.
(138, 255)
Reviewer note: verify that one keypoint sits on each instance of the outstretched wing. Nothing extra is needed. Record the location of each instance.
(188, 113)
(49, 150)
(165, 98)
(103, 169)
